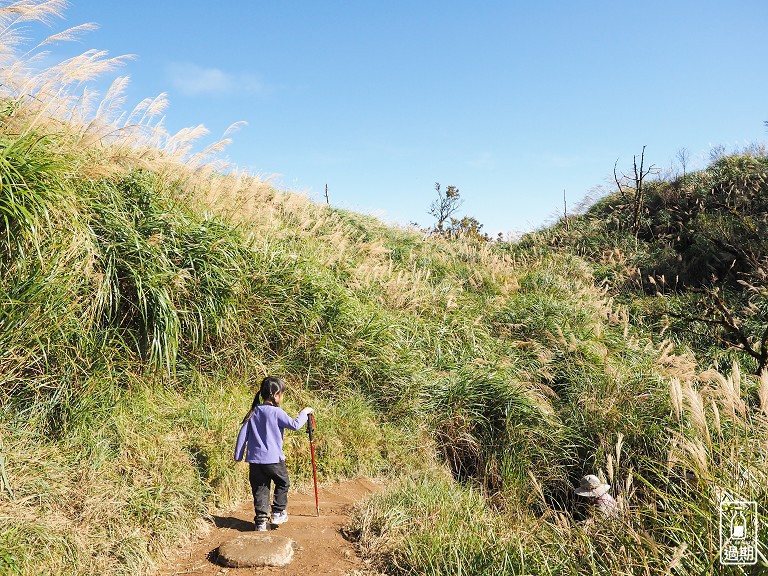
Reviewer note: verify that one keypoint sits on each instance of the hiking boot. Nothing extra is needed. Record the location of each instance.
(280, 517)
(260, 526)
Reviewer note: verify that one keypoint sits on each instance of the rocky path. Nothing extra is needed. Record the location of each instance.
(320, 546)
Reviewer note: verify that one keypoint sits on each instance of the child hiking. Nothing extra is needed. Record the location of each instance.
(262, 433)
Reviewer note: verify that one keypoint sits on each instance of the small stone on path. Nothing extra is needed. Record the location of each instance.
(258, 549)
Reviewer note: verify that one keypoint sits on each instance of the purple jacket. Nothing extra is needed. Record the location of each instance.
(263, 434)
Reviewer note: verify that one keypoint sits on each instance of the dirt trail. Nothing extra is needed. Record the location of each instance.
(321, 548)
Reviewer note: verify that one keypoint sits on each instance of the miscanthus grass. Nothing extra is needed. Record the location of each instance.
(145, 291)
(714, 451)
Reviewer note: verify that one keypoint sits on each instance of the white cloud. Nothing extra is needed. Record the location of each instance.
(193, 80)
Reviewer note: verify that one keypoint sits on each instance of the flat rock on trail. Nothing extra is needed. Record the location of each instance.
(320, 546)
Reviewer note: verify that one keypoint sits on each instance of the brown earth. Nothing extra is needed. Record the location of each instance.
(320, 546)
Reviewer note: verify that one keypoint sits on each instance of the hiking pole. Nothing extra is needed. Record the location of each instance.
(311, 432)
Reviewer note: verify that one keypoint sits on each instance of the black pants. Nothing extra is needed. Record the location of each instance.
(261, 476)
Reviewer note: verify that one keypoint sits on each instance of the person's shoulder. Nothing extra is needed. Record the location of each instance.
(262, 411)
(270, 409)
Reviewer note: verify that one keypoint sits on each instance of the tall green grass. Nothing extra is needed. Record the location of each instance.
(669, 524)
(143, 296)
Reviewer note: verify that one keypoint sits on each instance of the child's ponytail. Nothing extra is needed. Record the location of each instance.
(270, 387)
(254, 404)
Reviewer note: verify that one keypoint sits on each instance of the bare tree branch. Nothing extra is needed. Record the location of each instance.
(444, 206)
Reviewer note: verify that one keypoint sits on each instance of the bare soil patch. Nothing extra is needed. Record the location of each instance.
(320, 545)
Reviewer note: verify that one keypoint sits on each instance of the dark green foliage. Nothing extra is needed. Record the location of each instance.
(701, 243)
(493, 434)
(710, 222)
(170, 278)
(29, 185)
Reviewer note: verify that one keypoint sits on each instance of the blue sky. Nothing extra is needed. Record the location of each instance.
(512, 102)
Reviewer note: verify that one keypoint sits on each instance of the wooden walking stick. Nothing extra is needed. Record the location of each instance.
(311, 431)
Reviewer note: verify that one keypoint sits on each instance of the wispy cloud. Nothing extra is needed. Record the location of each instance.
(193, 80)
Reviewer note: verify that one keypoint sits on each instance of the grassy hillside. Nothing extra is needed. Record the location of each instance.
(145, 291)
(699, 251)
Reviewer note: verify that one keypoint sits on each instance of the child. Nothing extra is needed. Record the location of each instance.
(262, 431)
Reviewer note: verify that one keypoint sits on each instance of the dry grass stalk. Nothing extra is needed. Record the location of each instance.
(619, 444)
(728, 390)
(716, 416)
(609, 469)
(690, 454)
(674, 563)
(11, 16)
(762, 392)
(629, 490)
(676, 397)
(734, 390)
(538, 488)
(680, 366)
(696, 408)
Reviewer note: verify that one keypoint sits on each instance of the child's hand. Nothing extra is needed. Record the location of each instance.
(308, 410)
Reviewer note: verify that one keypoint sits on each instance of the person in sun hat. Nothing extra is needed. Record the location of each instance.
(590, 486)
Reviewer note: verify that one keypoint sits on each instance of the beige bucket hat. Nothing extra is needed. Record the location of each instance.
(591, 487)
